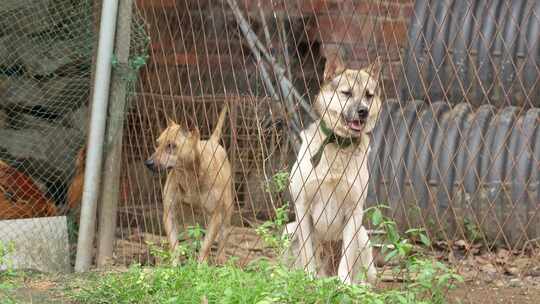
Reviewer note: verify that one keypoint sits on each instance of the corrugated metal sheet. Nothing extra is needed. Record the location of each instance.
(444, 167)
(480, 52)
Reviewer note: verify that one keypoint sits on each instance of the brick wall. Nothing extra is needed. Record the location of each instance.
(197, 47)
(359, 30)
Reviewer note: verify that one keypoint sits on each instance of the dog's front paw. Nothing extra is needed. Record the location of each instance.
(364, 284)
(371, 274)
(221, 258)
(346, 281)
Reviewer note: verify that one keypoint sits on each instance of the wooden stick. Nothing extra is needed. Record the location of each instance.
(254, 42)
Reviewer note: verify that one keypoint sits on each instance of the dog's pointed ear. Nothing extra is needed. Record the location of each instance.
(195, 134)
(169, 121)
(375, 68)
(333, 67)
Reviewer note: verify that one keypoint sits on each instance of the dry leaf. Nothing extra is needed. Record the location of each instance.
(488, 268)
(462, 244)
(512, 271)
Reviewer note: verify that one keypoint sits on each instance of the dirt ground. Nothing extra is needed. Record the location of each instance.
(493, 295)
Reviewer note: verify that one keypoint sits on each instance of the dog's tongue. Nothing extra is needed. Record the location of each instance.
(355, 125)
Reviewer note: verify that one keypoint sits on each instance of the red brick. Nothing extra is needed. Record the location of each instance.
(393, 32)
(191, 59)
(404, 1)
(360, 29)
(376, 9)
(359, 51)
(344, 29)
(358, 55)
(407, 11)
(350, 7)
(179, 5)
(253, 5)
(338, 7)
(156, 3)
(291, 8)
(330, 50)
(306, 6)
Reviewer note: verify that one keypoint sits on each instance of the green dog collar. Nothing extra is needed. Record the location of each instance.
(331, 138)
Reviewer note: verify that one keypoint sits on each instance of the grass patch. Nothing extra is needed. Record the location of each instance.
(8, 277)
(259, 283)
(425, 281)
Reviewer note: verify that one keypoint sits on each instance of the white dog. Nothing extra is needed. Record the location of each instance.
(330, 176)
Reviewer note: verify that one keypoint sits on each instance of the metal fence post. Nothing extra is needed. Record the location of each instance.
(92, 176)
(113, 137)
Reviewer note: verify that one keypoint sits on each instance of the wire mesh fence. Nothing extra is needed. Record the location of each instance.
(453, 162)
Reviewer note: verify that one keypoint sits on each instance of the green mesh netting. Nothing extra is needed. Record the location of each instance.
(46, 51)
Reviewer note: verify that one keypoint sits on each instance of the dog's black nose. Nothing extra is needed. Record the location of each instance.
(363, 112)
(149, 163)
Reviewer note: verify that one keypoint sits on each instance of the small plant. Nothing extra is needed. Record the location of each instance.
(426, 277)
(393, 246)
(191, 241)
(129, 73)
(6, 276)
(194, 235)
(432, 278)
(278, 183)
(270, 231)
(419, 235)
(472, 231)
(163, 255)
(6, 249)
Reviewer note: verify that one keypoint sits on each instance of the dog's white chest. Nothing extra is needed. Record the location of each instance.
(348, 165)
(337, 192)
(335, 188)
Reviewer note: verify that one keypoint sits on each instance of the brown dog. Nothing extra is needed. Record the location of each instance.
(200, 176)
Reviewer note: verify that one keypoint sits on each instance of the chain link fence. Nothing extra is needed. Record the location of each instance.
(455, 151)
(454, 159)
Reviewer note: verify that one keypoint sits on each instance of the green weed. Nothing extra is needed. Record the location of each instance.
(472, 231)
(428, 278)
(7, 275)
(278, 183)
(271, 231)
(189, 246)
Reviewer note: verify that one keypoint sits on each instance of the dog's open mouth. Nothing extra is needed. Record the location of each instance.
(356, 125)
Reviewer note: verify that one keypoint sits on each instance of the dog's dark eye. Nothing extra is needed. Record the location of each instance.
(347, 94)
(171, 146)
(369, 94)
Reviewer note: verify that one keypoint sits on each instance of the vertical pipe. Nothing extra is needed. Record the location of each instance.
(113, 138)
(100, 100)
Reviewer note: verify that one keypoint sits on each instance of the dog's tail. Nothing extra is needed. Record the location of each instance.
(216, 135)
